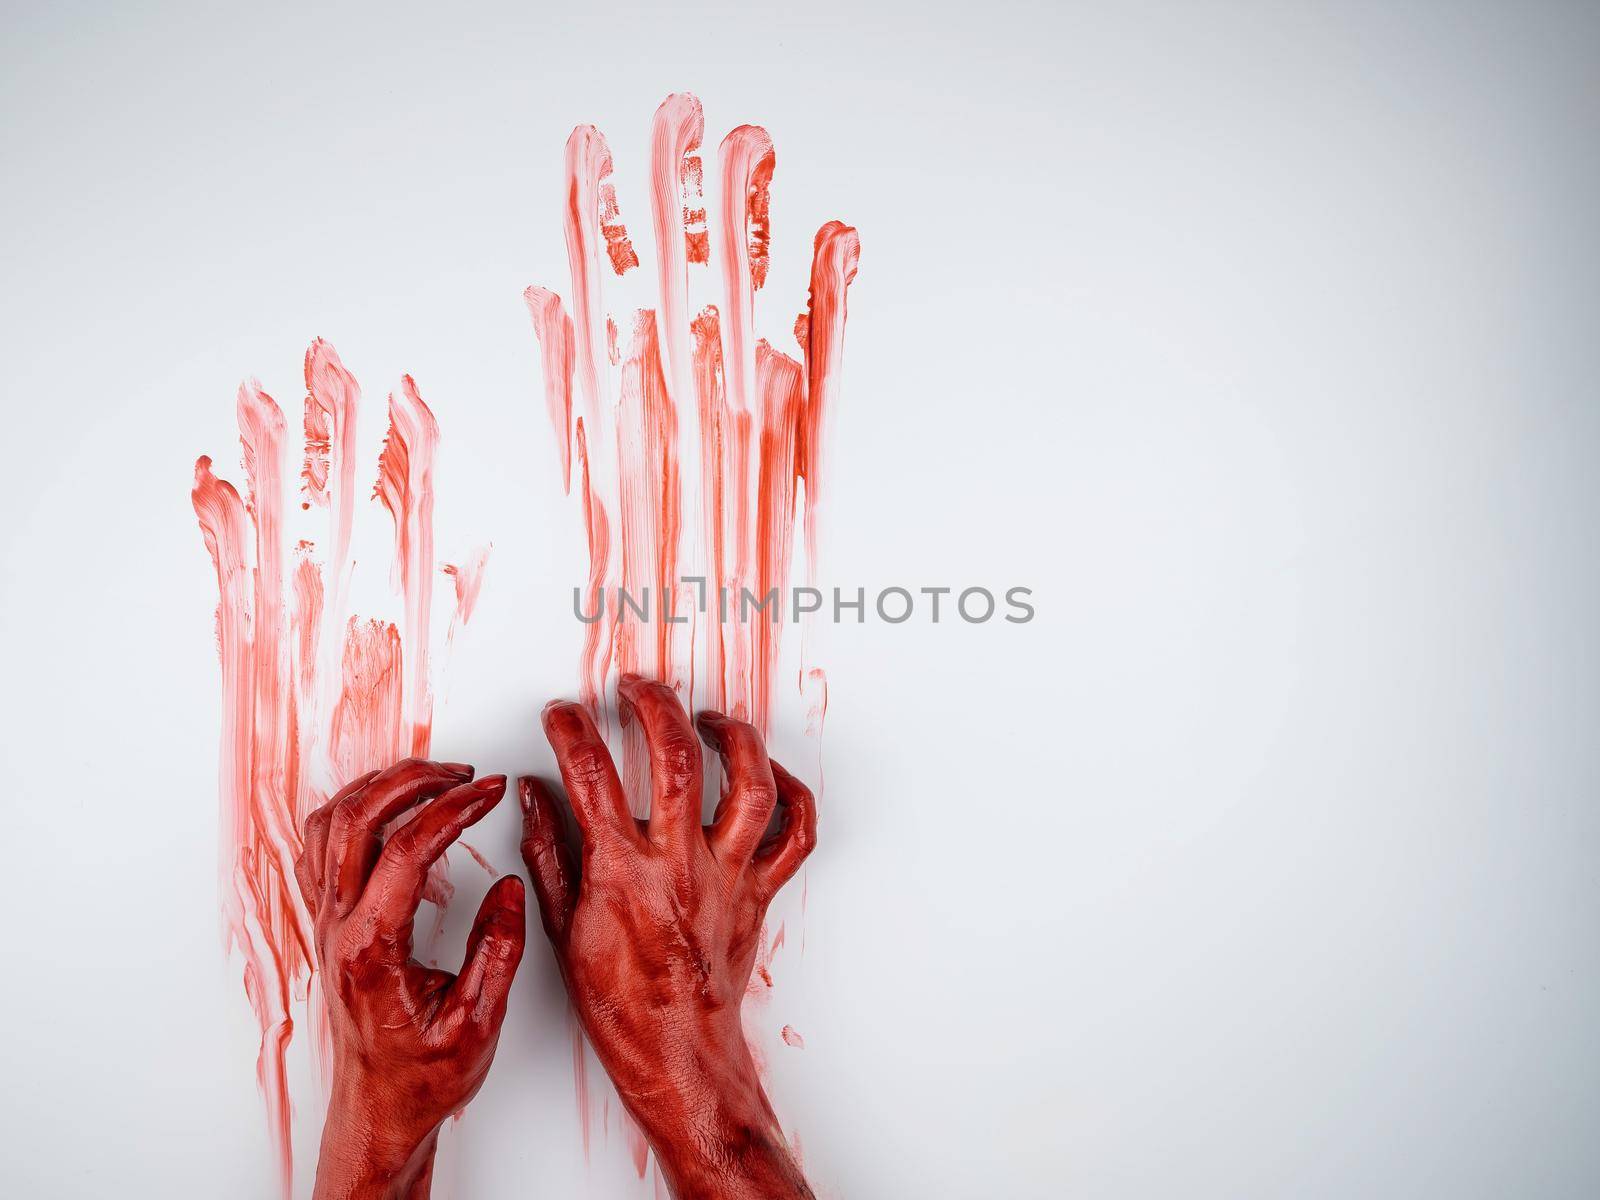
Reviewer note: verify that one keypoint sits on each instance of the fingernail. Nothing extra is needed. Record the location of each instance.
(462, 769)
(525, 796)
(492, 783)
(516, 898)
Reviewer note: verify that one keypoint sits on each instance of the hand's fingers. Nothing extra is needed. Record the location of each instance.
(588, 774)
(674, 758)
(493, 951)
(353, 843)
(310, 867)
(778, 859)
(746, 807)
(544, 850)
(395, 888)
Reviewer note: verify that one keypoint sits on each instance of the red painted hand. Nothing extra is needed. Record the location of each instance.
(411, 1045)
(656, 933)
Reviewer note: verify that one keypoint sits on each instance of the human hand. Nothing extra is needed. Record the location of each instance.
(656, 930)
(411, 1044)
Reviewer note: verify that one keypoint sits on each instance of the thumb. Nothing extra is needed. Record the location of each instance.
(494, 949)
(544, 850)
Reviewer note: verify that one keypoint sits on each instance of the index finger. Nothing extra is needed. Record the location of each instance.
(589, 775)
(310, 868)
(353, 831)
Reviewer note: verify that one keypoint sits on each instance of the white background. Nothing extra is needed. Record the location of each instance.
(1259, 340)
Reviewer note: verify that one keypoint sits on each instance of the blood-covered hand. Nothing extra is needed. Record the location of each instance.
(656, 929)
(411, 1045)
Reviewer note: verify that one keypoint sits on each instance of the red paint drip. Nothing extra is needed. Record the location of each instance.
(553, 328)
(647, 461)
(405, 486)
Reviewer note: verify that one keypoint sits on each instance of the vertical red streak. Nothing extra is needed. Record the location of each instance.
(592, 218)
(329, 476)
(597, 639)
(580, 1079)
(405, 485)
(553, 328)
(781, 385)
(747, 162)
(713, 447)
(836, 253)
(366, 729)
(229, 537)
(305, 624)
(674, 137)
(647, 459)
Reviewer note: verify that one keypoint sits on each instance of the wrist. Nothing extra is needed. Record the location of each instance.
(714, 1133)
(364, 1157)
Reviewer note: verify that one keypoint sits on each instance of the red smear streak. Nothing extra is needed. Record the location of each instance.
(674, 137)
(793, 1038)
(592, 220)
(747, 162)
(714, 436)
(647, 459)
(248, 876)
(468, 578)
(696, 238)
(366, 730)
(553, 328)
(328, 479)
(597, 641)
(781, 386)
(405, 485)
(483, 863)
(580, 1079)
(837, 252)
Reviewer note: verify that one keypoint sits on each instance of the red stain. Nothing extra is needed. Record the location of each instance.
(553, 328)
(405, 486)
(468, 579)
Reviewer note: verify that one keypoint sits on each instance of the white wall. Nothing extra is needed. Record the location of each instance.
(1258, 340)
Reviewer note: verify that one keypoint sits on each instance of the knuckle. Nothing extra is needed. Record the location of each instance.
(587, 764)
(501, 950)
(758, 797)
(679, 758)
